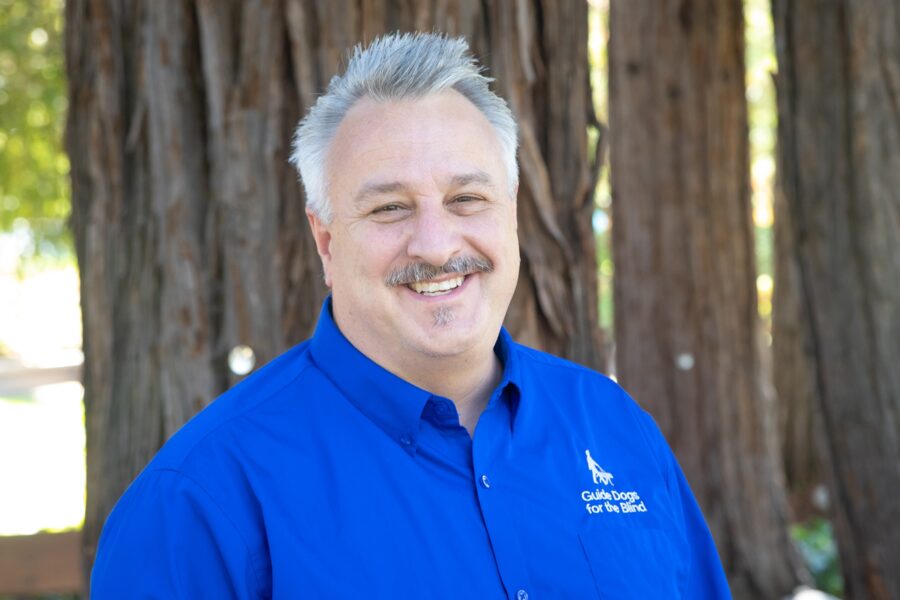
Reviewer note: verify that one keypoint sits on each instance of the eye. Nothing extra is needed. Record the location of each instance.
(389, 212)
(466, 204)
(387, 208)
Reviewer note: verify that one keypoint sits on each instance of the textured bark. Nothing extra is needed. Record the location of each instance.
(686, 313)
(189, 222)
(538, 53)
(793, 375)
(839, 132)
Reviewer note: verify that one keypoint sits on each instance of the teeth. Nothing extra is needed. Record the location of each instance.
(430, 288)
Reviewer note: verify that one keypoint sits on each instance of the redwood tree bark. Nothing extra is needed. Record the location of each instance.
(839, 133)
(189, 222)
(686, 316)
(799, 427)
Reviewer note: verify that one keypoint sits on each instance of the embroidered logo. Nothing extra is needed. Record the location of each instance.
(599, 500)
(600, 476)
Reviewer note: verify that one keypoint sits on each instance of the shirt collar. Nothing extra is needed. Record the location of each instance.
(505, 349)
(392, 403)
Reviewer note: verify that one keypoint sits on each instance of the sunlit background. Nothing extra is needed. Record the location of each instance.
(42, 459)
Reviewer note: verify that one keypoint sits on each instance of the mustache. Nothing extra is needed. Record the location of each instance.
(422, 271)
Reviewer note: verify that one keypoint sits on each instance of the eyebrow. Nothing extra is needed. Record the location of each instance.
(376, 188)
(473, 177)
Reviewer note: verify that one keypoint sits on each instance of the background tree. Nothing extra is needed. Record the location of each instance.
(33, 186)
(686, 318)
(800, 429)
(188, 221)
(839, 137)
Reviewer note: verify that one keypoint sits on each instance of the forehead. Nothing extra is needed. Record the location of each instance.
(435, 139)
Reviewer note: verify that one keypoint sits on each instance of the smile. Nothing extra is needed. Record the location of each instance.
(436, 288)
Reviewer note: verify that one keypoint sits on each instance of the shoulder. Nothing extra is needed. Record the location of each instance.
(568, 378)
(199, 477)
(224, 420)
(168, 537)
(582, 396)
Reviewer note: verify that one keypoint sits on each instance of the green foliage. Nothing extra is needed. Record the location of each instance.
(815, 540)
(34, 187)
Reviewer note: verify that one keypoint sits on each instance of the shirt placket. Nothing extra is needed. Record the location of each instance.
(495, 499)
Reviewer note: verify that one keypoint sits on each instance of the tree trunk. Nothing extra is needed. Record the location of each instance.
(189, 222)
(839, 132)
(799, 428)
(686, 315)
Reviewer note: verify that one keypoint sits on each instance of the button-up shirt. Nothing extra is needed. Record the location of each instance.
(323, 475)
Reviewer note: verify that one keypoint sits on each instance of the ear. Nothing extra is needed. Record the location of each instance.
(515, 201)
(322, 237)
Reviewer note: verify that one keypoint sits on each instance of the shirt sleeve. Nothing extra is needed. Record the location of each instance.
(168, 538)
(706, 577)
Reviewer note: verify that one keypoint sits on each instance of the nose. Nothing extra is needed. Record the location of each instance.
(435, 236)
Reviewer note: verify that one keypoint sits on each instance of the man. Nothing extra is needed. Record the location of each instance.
(411, 449)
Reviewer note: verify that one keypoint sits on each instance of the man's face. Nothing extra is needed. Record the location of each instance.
(418, 183)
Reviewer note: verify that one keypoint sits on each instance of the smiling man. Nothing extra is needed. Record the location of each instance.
(411, 449)
(419, 246)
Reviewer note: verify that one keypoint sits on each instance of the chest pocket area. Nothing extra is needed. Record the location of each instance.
(630, 559)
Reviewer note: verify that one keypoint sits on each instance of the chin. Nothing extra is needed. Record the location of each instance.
(448, 336)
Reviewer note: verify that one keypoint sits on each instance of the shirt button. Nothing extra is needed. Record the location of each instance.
(406, 440)
(485, 481)
(521, 595)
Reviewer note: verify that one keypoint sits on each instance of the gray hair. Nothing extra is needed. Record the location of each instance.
(397, 67)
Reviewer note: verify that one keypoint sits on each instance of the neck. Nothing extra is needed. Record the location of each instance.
(468, 383)
(468, 380)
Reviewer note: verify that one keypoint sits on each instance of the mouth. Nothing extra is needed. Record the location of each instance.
(437, 288)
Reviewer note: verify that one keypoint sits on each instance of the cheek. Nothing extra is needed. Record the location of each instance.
(372, 253)
(496, 235)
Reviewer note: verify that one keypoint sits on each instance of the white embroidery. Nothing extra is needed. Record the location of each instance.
(600, 476)
(599, 500)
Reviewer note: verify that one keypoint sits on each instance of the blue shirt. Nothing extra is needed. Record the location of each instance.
(325, 476)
